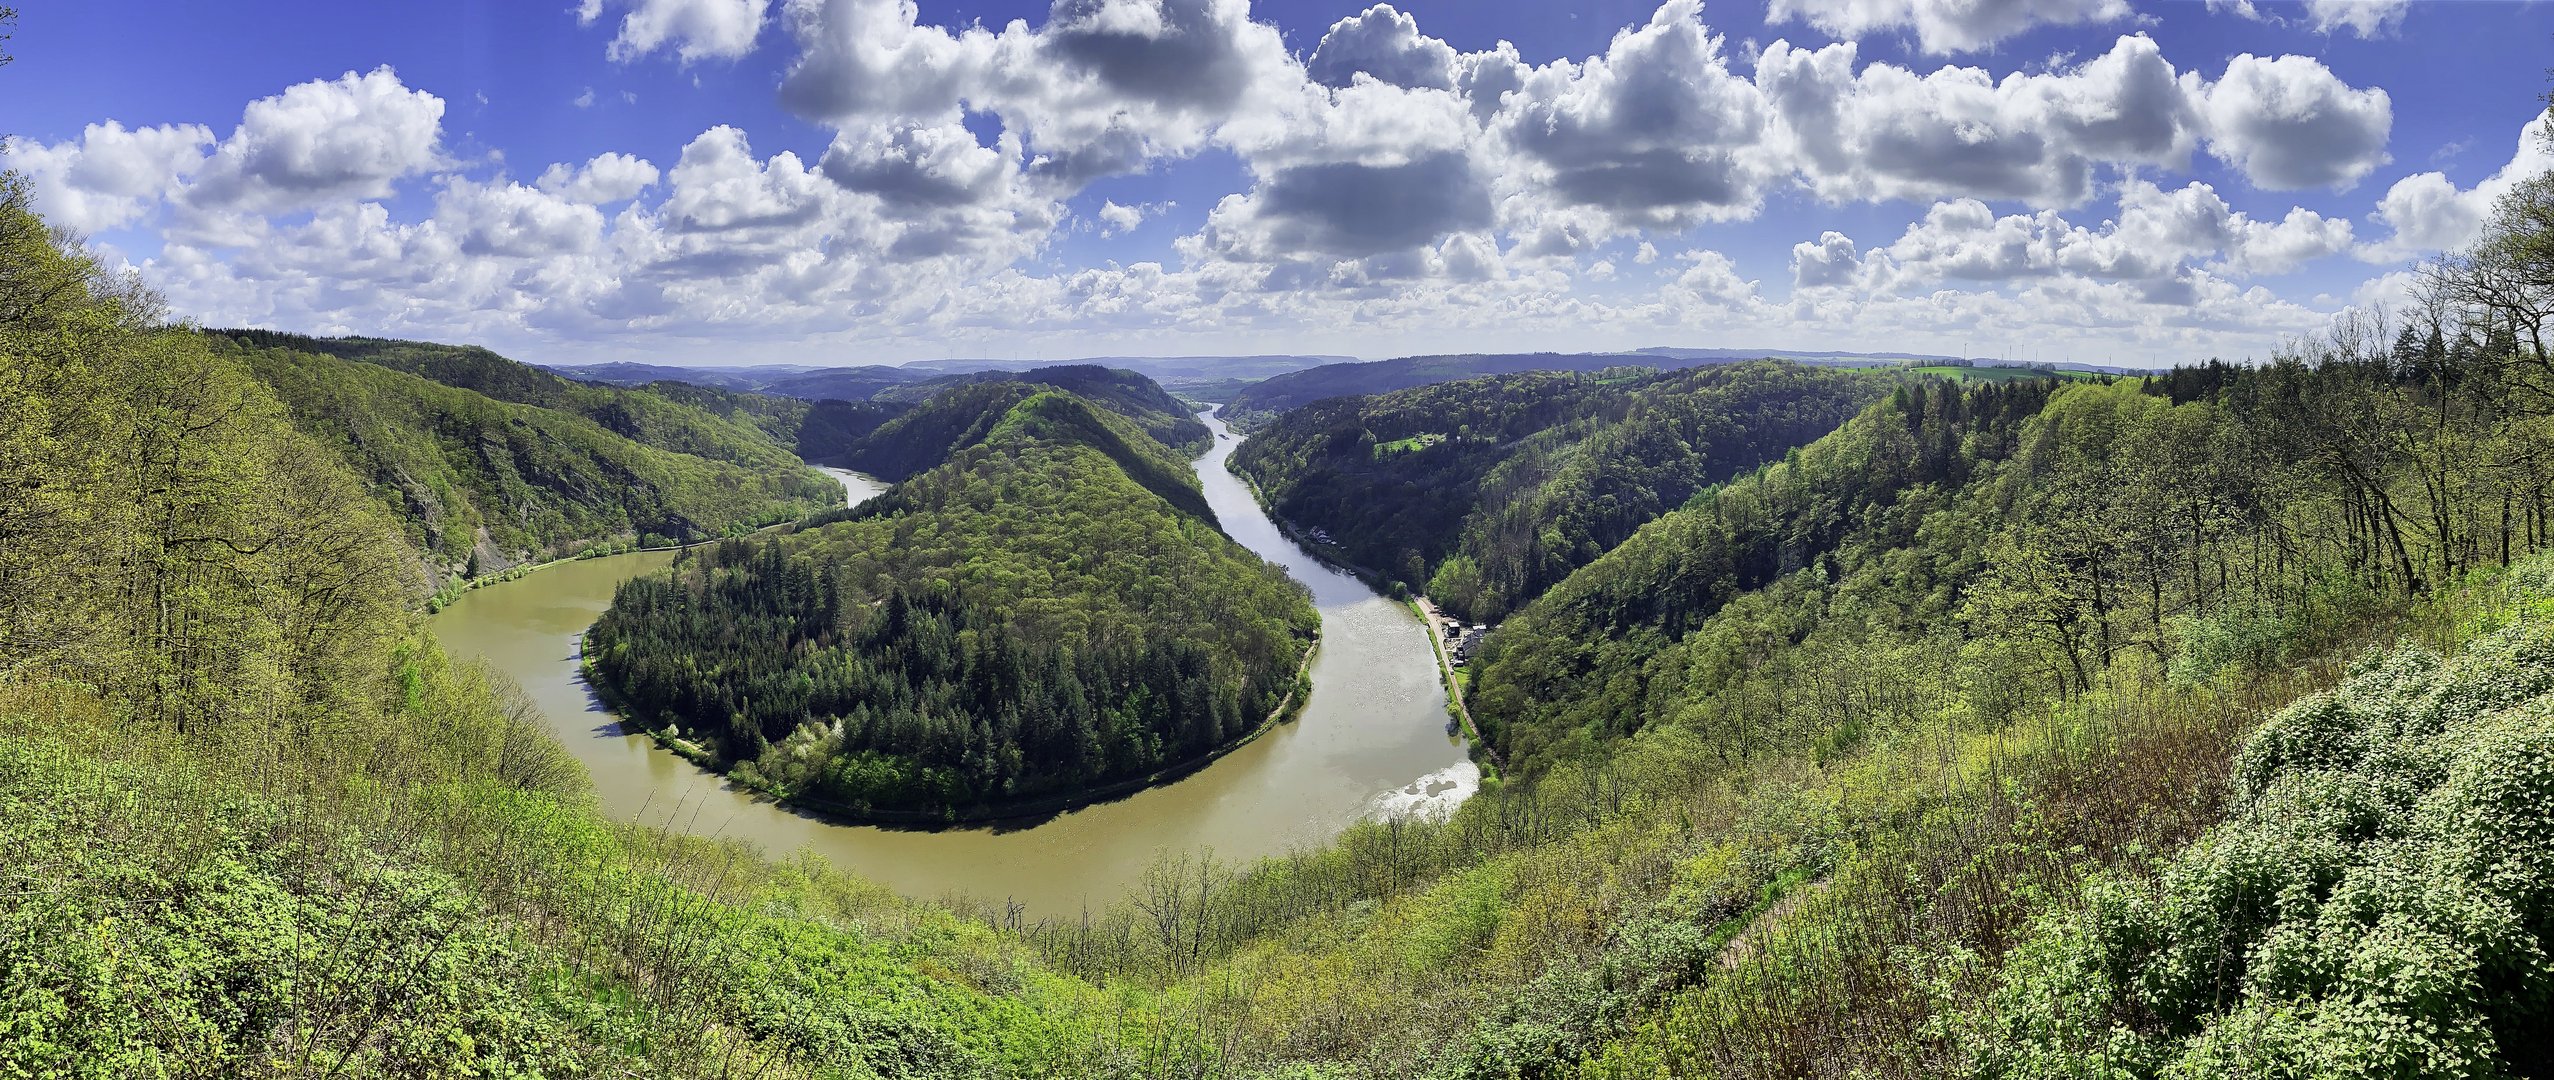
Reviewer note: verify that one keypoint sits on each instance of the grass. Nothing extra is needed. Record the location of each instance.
(1412, 444)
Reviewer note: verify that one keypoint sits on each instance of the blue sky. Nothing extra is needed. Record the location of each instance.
(839, 181)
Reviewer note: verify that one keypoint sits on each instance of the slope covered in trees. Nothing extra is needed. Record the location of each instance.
(1125, 393)
(259, 825)
(1264, 400)
(482, 482)
(1485, 492)
(2179, 521)
(1045, 612)
(2121, 764)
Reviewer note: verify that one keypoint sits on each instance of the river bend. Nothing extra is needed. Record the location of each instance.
(1372, 738)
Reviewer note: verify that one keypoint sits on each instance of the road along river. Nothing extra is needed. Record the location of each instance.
(1372, 738)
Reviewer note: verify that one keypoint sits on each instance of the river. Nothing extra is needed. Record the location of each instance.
(1372, 738)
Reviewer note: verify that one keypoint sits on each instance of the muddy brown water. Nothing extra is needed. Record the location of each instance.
(1371, 739)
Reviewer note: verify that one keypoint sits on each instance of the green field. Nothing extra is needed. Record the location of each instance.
(1417, 442)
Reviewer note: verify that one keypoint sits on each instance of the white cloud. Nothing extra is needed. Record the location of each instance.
(1383, 44)
(515, 221)
(2366, 18)
(1656, 132)
(2160, 242)
(1712, 280)
(1887, 132)
(2290, 124)
(323, 142)
(110, 176)
(607, 179)
(695, 29)
(1944, 26)
(1830, 260)
(1391, 181)
(1115, 219)
(2427, 213)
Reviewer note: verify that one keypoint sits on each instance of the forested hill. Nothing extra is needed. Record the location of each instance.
(2189, 521)
(484, 482)
(1484, 492)
(1260, 402)
(964, 410)
(1045, 614)
(2187, 727)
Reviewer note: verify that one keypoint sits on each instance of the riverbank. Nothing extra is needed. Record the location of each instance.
(1433, 620)
(608, 549)
(1370, 740)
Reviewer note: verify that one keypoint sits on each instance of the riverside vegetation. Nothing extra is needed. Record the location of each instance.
(2177, 727)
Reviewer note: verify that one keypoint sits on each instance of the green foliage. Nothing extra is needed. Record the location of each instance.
(1527, 477)
(2379, 900)
(258, 825)
(956, 412)
(1045, 614)
(1286, 391)
(491, 461)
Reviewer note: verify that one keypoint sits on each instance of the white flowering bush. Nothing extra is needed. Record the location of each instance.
(2378, 903)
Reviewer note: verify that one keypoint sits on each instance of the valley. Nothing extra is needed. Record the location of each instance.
(1370, 739)
(507, 574)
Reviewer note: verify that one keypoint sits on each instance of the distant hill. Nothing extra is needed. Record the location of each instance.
(489, 463)
(1485, 492)
(971, 410)
(1221, 375)
(1250, 407)
(1173, 372)
(1254, 405)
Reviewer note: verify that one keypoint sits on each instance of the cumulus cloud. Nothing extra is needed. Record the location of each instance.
(1115, 218)
(1830, 260)
(1655, 132)
(2427, 213)
(694, 29)
(2290, 123)
(1352, 210)
(1944, 26)
(608, 178)
(515, 221)
(1383, 44)
(1710, 280)
(2154, 241)
(322, 142)
(1887, 132)
(110, 176)
(1389, 176)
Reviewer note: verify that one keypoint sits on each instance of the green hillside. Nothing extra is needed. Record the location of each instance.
(2191, 726)
(1047, 614)
(259, 825)
(481, 483)
(1484, 492)
(1125, 393)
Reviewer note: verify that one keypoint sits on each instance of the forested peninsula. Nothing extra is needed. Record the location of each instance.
(1041, 612)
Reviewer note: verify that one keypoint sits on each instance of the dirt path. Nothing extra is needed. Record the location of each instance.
(1429, 615)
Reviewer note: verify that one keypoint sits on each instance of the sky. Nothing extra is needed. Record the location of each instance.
(859, 181)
